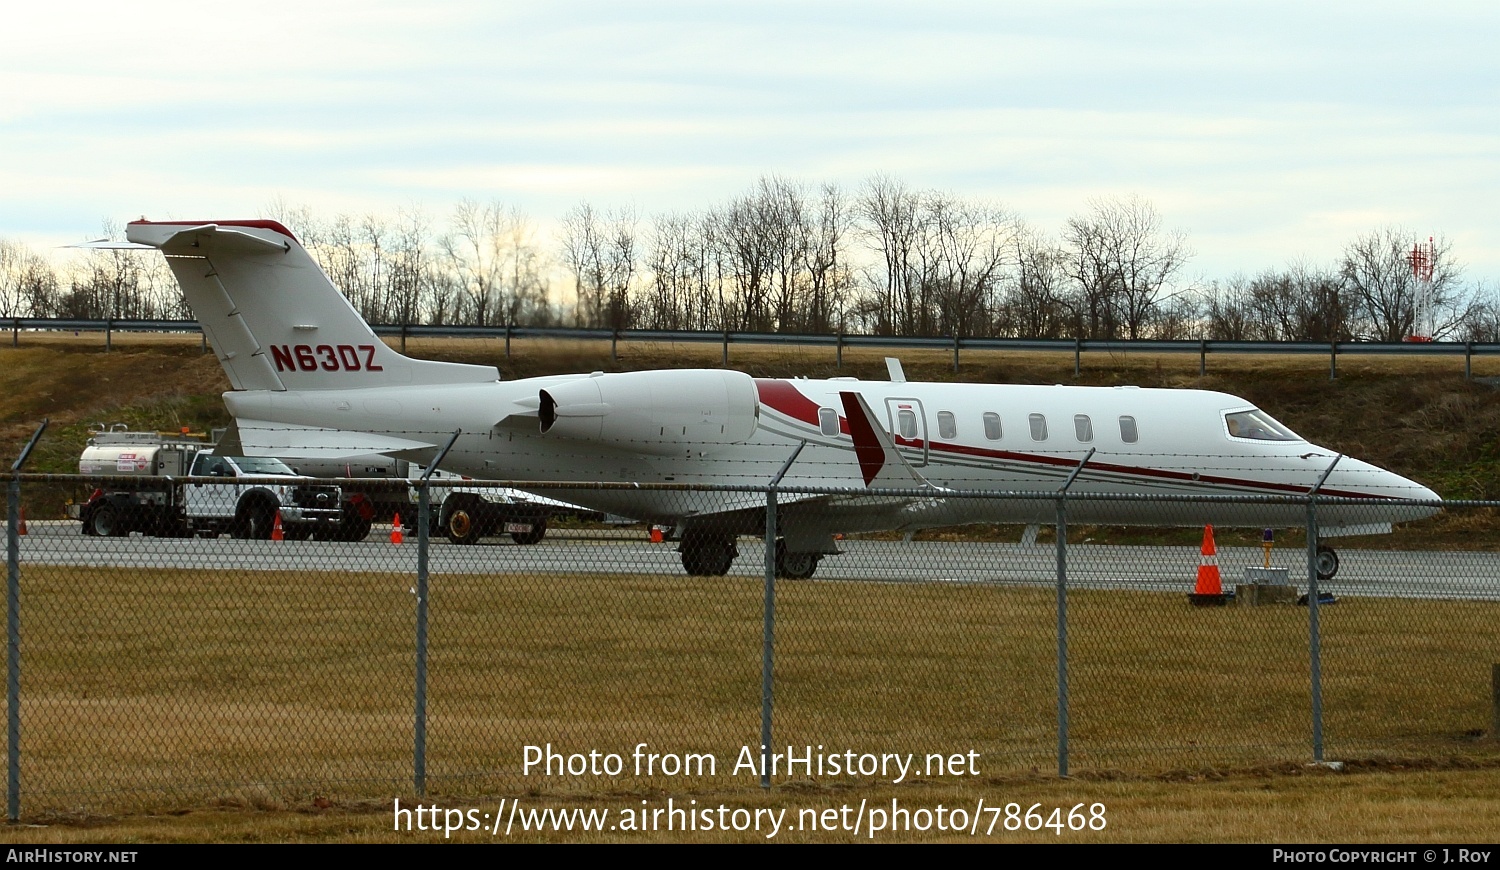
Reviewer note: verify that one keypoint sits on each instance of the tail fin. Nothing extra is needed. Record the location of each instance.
(275, 320)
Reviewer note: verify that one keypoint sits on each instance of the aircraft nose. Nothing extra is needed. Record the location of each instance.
(1396, 486)
(1374, 480)
(1421, 492)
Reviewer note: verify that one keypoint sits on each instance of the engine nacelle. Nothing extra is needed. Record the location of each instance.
(657, 412)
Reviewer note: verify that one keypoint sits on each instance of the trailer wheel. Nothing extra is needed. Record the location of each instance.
(462, 520)
(105, 522)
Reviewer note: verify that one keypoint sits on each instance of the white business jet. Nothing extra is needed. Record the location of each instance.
(311, 379)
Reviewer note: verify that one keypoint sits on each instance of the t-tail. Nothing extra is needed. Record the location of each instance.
(275, 319)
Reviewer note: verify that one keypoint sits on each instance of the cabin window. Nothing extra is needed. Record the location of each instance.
(992, 426)
(1127, 430)
(906, 420)
(1258, 425)
(1038, 427)
(1083, 427)
(828, 421)
(947, 426)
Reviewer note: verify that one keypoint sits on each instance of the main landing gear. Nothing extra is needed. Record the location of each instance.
(1328, 562)
(707, 554)
(795, 566)
(711, 554)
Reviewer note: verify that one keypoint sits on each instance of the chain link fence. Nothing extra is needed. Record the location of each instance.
(165, 655)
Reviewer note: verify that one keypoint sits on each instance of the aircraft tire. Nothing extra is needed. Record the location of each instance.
(1328, 562)
(795, 566)
(708, 555)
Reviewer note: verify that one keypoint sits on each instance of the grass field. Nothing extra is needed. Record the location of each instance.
(285, 697)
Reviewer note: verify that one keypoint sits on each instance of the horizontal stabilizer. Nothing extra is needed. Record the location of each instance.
(261, 438)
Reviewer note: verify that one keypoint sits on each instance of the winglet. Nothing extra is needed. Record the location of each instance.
(880, 462)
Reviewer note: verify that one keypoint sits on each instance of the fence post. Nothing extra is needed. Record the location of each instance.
(838, 352)
(1333, 360)
(1202, 358)
(768, 640)
(955, 353)
(1062, 615)
(419, 744)
(13, 631)
(1077, 357)
(507, 340)
(424, 522)
(1468, 360)
(1314, 630)
(13, 649)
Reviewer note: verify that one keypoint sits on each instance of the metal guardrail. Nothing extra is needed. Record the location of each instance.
(1203, 347)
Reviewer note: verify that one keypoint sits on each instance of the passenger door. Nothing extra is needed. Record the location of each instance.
(908, 427)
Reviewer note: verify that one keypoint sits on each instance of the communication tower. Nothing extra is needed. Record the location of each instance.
(1422, 259)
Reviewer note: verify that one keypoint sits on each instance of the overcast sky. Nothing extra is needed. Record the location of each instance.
(1269, 132)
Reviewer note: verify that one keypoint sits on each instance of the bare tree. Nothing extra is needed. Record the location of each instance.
(973, 244)
(408, 269)
(889, 211)
(488, 249)
(830, 277)
(600, 251)
(1377, 270)
(681, 291)
(1122, 261)
(1034, 307)
(28, 283)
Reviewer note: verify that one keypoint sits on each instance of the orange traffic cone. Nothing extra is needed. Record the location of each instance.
(656, 536)
(276, 533)
(21, 529)
(398, 534)
(1209, 591)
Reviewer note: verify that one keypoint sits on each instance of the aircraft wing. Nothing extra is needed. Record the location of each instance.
(282, 440)
(881, 464)
(810, 519)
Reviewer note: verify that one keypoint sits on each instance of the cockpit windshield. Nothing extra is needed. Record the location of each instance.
(1258, 425)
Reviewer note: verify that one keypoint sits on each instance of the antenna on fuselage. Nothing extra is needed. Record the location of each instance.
(893, 366)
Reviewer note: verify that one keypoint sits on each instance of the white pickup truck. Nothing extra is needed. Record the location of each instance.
(158, 504)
